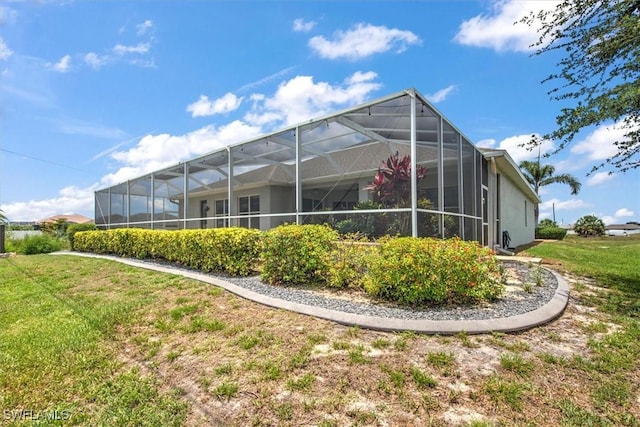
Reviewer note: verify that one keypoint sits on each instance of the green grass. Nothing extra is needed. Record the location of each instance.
(440, 359)
(56, 348)
(303, 383)
(99, 341)
(226, 390)
(613, 364)
(516, 363)
(422, 379)
(506, 392)
(612, 261)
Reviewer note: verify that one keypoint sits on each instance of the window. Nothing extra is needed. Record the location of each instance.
(311, 205)
(249, 205)
(204, 209)
(222, 209)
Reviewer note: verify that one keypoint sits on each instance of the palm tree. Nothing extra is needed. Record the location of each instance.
(3, 217)
(540, 175)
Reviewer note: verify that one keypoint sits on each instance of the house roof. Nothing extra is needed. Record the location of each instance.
(71, 218)
(622, 227)
(507, 166)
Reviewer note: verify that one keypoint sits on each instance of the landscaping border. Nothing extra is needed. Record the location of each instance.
(544, 314)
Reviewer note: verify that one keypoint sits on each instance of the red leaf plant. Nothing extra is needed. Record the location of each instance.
(392, 183)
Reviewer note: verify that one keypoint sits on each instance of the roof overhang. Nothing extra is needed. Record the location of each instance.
(507, 166)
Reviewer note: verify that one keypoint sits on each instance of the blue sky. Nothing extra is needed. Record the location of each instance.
(95, 93)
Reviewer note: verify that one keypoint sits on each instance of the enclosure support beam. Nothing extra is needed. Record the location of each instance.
(414, 168)
(461, 219)
(231, 206)
(128, 202)
(185, 190)
(153, 200)
(109, 211)
(298, 176)
(441, 175)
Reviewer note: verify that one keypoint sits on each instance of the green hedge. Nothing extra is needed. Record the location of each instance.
(418, 271)
(74, 228)
(413, 271)
(297, 254)
(550, 233)
(231, 250)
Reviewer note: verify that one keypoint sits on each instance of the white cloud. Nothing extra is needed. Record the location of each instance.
(5, 52)
(362, 41)
(360, 77)
(599, 144)
(546, 208)
(122, 52)
(62, 66)
(301, 99)
(599, 178)
(205, 107)
(486, 143)
(501, 29)
(70, 200)
(624, 212)
(517, 148)
(155, 152)
(294, 99)
(302, 26)
(94, 60)
(140, 48)
(617, 218)
(441, 95)
(144, 27)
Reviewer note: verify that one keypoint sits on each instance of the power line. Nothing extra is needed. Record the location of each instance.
(42, 160)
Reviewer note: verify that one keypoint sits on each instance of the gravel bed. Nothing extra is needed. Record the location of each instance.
(515, 301)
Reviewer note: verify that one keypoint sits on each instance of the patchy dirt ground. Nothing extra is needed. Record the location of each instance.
(239, 363)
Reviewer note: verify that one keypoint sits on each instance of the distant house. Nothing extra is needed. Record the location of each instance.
(70, 219)
(317, 171)
(622, 229)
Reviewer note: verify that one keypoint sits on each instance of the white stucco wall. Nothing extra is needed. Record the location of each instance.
(516, 214)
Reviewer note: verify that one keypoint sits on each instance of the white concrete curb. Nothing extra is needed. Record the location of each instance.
(540, 316)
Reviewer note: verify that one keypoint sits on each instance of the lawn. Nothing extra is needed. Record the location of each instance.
(94, 342)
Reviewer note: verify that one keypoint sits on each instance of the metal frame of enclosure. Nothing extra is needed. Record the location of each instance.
(316, 172)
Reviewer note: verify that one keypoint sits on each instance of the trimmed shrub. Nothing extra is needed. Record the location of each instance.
(231, 250)
(349, 262)
(550, 233)
(39, 244)
(546, 223)
(74, 228)
(297, 254)
(589, 225)
(419, 271)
